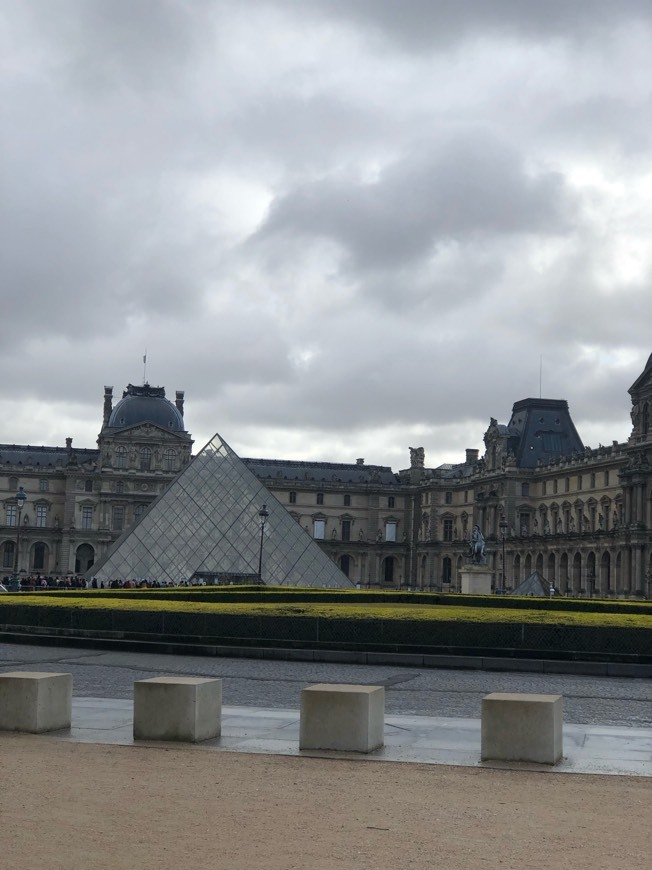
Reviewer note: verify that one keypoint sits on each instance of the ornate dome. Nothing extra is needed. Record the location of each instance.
(146, 405)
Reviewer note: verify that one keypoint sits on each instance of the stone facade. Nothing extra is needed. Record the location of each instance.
(80, 501)
(581, 517)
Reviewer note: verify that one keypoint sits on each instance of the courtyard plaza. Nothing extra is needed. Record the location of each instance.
(432, 716)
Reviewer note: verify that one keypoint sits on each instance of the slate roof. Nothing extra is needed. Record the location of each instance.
(321, 472)
(541, 430)
(45, 457)
(145, 404)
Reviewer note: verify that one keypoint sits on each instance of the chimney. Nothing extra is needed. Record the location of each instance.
(108, 405)
(68, 444)
(359, 462)
(471, 456)
(179, 401)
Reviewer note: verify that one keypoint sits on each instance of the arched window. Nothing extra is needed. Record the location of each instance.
(145, 459)
(84, 558)
(88, 486)
(446, 570)
(170, 459)
(120, 457)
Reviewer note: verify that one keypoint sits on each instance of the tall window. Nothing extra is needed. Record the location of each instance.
(320, 498)
(544, 487)
(117, 518)
(593, 480)
(579, 481)
(120, 457)
(448, 498)
(347, 501)
(292, 497)
(87, 517)
(39, 556)
(13, 484)
(446, 570)
(8, 553)
(41, 515)
(139, 510)
(319, 529)
(391, 501)
(145, 459)
(606, 478)
(12, 514)
(388, 570)
(120, 486)
(448, 529)
(345, 565)
(88, 486)
(525, 489)
(346, 530)
(390, 531)
(43, 485)
(169, 460)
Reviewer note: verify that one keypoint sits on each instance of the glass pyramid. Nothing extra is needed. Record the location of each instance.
(207, 525)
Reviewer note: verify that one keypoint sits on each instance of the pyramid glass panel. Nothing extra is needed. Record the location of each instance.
(207, 524)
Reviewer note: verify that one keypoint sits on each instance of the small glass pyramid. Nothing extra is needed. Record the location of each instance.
(207, 525)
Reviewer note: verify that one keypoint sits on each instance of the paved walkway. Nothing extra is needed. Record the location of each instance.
(421, 739)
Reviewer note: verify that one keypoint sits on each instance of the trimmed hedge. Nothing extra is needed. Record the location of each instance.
(433, 632)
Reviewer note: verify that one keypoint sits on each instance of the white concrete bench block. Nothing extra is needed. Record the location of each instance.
(521, 727)
(35, 702)
(343, 717)
(177, 708)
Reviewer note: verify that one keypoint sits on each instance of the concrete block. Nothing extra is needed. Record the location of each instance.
(520, 727)
(177, 708)
(343, 717)
(35, 702)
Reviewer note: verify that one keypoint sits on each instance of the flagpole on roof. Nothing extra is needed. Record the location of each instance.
(145, 367)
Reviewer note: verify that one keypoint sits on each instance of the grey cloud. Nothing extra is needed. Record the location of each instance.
(120, 45)
(428, 24)
(602, 123)
(474, 186)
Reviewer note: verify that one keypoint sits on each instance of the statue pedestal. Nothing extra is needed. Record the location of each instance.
(476, 580)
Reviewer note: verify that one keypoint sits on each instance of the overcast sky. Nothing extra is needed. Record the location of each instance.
(343, 227)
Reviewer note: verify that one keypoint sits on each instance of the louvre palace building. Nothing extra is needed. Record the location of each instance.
(546, 503)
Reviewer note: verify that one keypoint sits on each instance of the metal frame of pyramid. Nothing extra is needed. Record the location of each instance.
(207, 524)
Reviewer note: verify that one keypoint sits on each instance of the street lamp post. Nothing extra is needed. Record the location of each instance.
(263, 513)
(503, 533)
(21, 498)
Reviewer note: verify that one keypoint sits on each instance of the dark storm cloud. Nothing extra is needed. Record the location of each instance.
(474, 186)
